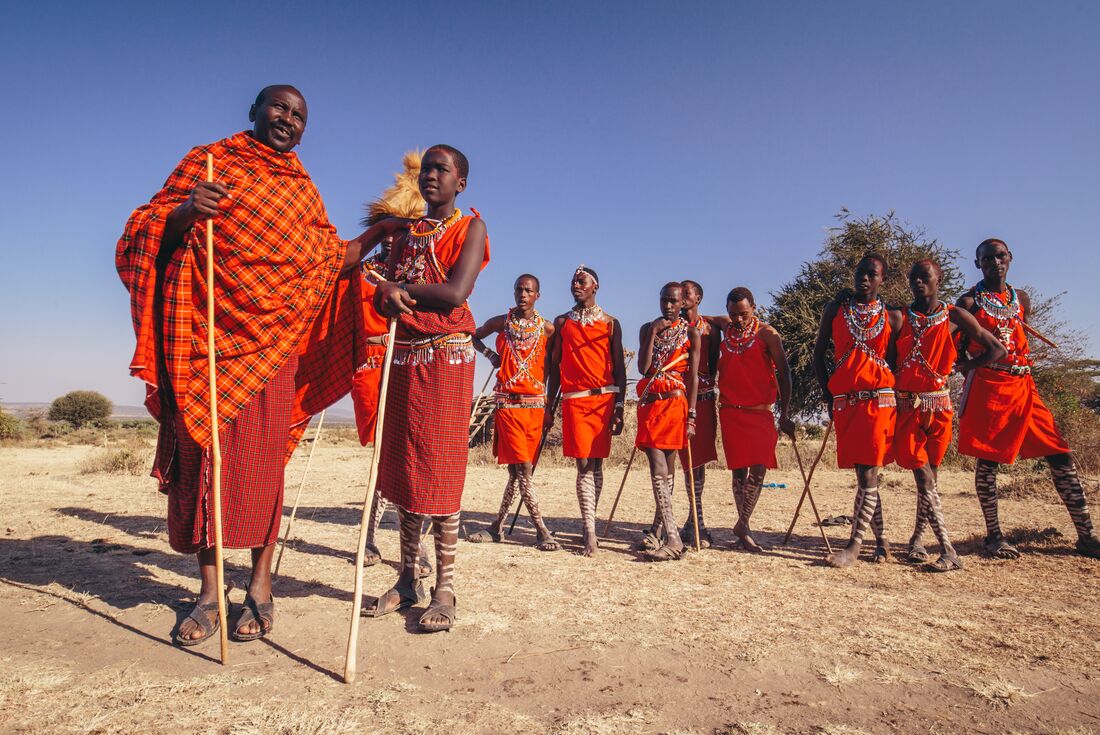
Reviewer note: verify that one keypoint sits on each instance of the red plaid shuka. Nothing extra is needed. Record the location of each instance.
(276, 258)
(426, 433)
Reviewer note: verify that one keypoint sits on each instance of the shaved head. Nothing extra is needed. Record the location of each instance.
(273, 88)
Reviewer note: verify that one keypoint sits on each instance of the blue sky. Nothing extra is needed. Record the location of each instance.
(712, 141)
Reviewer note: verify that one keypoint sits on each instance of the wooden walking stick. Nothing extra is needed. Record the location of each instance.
(298, 495)
(215, 444)
(372, 477)
(691, 498)
(1037, 334)
(807, 479)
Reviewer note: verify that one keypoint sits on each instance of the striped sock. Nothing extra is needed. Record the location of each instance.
(445, 530)
(985, 483)
(1068, 485)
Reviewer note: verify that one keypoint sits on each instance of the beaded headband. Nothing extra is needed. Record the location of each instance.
(582, 268)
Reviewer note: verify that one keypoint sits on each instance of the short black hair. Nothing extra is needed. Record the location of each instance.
(271, 88)
(521, 276)
(456, 155)
(879, 257)
(928, 262)
(740, 294)
(688, 283)
(673, 284)
(988, 241)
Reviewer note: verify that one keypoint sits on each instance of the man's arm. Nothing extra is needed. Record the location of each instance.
(618, 371)
(201, 204)
(896, 319)
(972, 331)
(773, 343)
(821, 346)
(494, 325)
(646, 335)
(395, 298)
(553, 370)
(965, 303)
(695, 349)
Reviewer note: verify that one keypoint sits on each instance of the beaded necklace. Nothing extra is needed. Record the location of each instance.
(1002, 308)
(737, 341)
(586, 315)
(524, 336)
(667, 341)
(419, 251)
(921, 325)
(865, 322)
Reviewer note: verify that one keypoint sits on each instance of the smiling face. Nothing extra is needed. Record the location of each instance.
(527, 293)
(868, 278)
(924, 281)
(741, 313)
(583, 287)
(440, 180)
(279, 118)
(672, 300)
(993, 258)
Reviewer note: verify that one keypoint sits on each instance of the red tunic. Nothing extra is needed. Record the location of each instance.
(1003, 416)
(662, 423)
(586, 365)
(520, 392)
(926, 357)
(748, 390)
(425, 439)
(862, 386)
(704, 443)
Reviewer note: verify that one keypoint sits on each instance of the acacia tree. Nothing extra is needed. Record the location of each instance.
(80, 407)
(796, 307)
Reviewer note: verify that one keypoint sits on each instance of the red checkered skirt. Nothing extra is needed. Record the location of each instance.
(425, 437)
(253, 461)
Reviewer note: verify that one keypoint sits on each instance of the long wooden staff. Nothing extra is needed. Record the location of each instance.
(215, 444)
(298, 495)
(807, 479)
(634, 451)
(535, 464)
(357, 596)
(691, 498)
(1037, 334)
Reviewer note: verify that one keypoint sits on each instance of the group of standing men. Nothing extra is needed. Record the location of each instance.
(303, 316)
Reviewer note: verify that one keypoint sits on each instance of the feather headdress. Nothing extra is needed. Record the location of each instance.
(403, 198)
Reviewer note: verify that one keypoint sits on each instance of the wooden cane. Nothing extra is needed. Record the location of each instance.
(808, 478)
(298, 495)
(215, 444)
(1037, 334)
(372, 476)
(691, 498)
(810, 495)
(535, 464)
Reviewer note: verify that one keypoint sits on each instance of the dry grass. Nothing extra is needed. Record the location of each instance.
(1000, 693)
(123, 461)
(839, 676)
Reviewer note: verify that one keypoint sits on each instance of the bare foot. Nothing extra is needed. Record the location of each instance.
(371, 555)
(948, 562)
(591, 545)
(998, 548)
(917, 554)
(253, 625)
(1089, 546)
(845, 556)
(747, 542)
(190, 630)
(547, 541)
(882, 552)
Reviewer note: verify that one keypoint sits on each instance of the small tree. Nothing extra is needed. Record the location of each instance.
(80, 407)
(797, 306)
(10, 426)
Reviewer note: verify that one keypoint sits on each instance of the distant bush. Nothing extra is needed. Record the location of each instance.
(125, 461)
(11, 427)
(80, 407)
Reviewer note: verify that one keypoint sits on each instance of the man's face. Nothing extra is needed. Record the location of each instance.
(923, 281)
(439, 180)
(672, 300)
(527, 293)
(993, 260)
(691, 297)
(583, 286)
(740, 313)
(868, 277)
(279, 119)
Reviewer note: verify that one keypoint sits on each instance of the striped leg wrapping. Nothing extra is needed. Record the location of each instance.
(739, 496)
(377, 510)
(933, 511)
(662, 498)
(1068, 485)
(531, 500)
(876, 519)
(697, 480)
(506, 502)
(597, 480)
(410, 540)
(750, 497)
(586, 497)
(864, 509)
(445, 530)
(985, 483)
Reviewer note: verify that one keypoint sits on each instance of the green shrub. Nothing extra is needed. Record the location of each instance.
(80, 407)
(11, 427)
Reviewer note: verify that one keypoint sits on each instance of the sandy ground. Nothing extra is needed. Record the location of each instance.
(722, 641)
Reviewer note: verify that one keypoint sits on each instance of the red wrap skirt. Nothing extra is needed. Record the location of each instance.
(1005, 418)
(748, 437)
(704, 447)
(516, 434)
(921, 437)
(864, 433)
(586, 426)
(663, 424)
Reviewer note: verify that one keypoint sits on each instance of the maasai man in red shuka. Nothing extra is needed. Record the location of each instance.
(1003, 416)
(278, 263)
(424, 443)
(860, 394)
(521, 359)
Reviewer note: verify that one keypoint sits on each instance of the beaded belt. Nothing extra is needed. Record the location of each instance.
(457, 349)
(591, 392)
(931, 402)
(707, 395)
(761, 407)
(884, 396)
(519, 400)
(654, 397)
(1010, 369)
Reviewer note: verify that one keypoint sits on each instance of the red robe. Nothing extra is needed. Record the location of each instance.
(923, 430)
(662, 424)
(748, 390)
(586, 364)
(704, 444)
(520, 393)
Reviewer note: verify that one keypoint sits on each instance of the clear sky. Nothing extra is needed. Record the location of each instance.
(652, 141)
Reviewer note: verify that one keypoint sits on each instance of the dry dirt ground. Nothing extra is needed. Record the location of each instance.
(722, 641)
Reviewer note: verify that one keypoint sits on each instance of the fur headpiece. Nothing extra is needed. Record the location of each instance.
(403, 198)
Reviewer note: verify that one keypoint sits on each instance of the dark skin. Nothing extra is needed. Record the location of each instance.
(662, 462)
(584, 288)
(526, 294)
(924, 282)
(740, 314)
(279, 121)
(994, 259)
(867, 281)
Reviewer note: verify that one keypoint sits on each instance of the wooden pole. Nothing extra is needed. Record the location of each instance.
(298, 495)
(691, 499)
(810, 495)
(215, 444)
(807, 479)
(372, 477)
(1037, 334)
